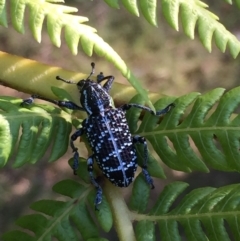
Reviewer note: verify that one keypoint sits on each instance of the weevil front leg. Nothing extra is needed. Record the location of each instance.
(67, 104)
(98, 198)
(108, 85)
(158, 113)
(142, 140)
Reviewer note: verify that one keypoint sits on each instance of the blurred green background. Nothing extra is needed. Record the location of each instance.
(164, 60)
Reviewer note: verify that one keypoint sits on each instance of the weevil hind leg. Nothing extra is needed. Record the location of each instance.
(142, 140)
(98, 198)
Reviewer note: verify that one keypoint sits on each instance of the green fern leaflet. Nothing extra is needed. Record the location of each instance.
(208, 136)
(202, 213)
(193, 15)
(37, 127)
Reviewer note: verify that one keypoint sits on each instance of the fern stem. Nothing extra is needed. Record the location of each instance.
(121, 216)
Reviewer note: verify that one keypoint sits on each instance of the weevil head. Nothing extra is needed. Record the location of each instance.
(94, 98)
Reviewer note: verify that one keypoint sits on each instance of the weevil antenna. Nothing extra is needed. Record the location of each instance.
(72, 82)
(66, 81)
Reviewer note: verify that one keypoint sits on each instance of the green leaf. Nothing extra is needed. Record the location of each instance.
(193, 14)
(33, 222)
(170, 11)
(62, 132)
(154, 167)
(17, 15)
(145, 231)
(112, 3)
(176, 140)
(38, 131)
(203, 213)
(228, 1)
(69, 188)
(84, 222)
(238, 3)
(3, 15)
(64, 218)
(17, 235)
(131, 6)
(104, 214)
(149, 10)
(169, 193)
(50, 207)
(202, 206)
(138, 202)
(188, 19)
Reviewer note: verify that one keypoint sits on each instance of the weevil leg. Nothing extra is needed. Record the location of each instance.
(73, 138)
(67, 104)
(158, 113)
(100, 77)
(165, 110)
(108, 85)
(142, 140)
(98, 198)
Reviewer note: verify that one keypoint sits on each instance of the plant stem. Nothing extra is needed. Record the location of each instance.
(121, 216)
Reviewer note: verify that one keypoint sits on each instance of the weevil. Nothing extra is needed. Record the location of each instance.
(107, 131)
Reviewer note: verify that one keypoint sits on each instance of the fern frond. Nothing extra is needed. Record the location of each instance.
(208, 206)
(193, 14)
(147, 7)
(202, 213)
(61, 219)
(27, 133)
(75, 30)
(211, 125)
(207, 136)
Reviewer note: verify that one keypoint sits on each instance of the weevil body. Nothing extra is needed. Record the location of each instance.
(112, 145)
(107, 131)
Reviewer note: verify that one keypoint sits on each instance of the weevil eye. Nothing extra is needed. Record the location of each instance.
(81, 83)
